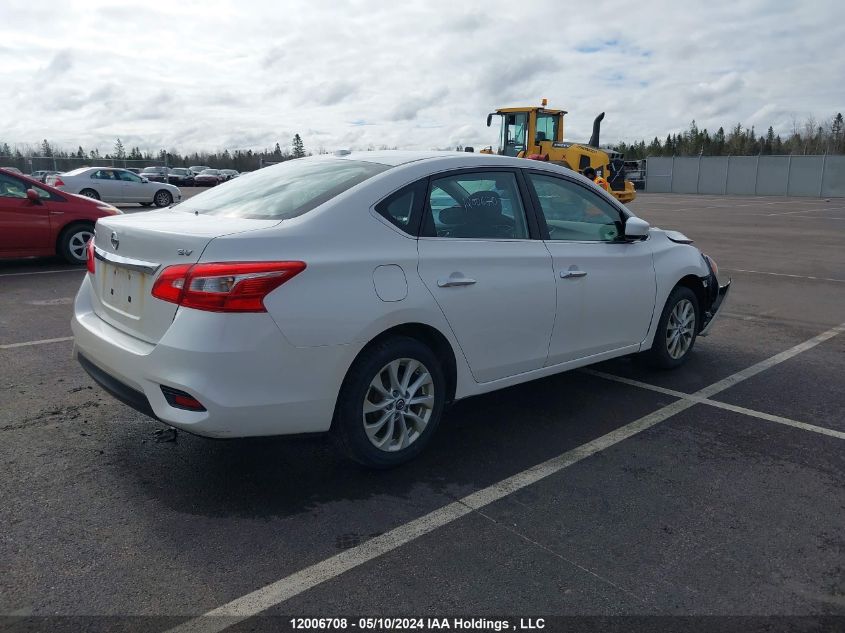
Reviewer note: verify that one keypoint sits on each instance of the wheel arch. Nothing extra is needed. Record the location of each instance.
(60, 234)
(695, 284)
(431, 337)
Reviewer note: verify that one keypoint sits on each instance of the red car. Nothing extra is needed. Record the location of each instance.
(38, 220)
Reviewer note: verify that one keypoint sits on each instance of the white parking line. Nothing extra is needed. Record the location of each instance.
(41, 342)
(277, 592)
(44, 272)
(718, 404)
(763, 272)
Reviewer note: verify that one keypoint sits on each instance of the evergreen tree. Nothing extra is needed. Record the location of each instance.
(119, 150)
(298, 146)
(46, 150)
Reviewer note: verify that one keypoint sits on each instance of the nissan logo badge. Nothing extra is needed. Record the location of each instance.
(115, 242)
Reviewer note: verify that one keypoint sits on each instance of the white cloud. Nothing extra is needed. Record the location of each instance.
(248, 73)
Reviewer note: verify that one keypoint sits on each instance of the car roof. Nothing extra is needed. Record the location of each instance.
(396, 158)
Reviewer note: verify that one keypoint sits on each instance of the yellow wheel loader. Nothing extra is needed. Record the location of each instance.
(537, 133)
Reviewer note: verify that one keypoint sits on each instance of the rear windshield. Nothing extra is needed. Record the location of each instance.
(282, 191)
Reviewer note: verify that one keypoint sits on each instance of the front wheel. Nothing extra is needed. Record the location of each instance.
(73, 243)
(90, 193)
(676, 330)
(163, 198)
(390, 403)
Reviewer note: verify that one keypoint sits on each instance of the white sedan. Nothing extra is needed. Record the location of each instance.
(360, 293)
(112, 184)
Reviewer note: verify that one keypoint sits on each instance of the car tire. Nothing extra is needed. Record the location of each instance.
(90, 193)
(372, 408)
(676, 331)
(162, 198)
(73, 242)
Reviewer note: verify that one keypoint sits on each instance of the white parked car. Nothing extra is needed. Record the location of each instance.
(360, 294)
(112, 184)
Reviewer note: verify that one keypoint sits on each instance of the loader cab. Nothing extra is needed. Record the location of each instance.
(528, 130)
(514, 132)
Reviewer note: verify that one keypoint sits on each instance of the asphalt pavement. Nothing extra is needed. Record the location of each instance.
(661, 493)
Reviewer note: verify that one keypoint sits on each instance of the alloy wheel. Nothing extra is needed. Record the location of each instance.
(680, 329)
(398, 404)
(78, 242)
(162, 199)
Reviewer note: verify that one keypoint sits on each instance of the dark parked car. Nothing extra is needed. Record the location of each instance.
(209, 178)
(154, 174)
(181, 176)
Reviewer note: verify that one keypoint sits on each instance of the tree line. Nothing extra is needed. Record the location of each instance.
(49, 156)
(811, 137)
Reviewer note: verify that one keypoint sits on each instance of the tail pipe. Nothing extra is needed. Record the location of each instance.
(594, 139)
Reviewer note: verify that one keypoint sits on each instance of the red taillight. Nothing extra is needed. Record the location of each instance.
(224, 287)
(90, 256)
(58, 182)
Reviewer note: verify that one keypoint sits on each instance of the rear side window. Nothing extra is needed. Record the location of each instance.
(401, 209)
(282, 191)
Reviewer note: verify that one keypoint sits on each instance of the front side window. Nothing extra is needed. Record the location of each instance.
(574, 213)
(546, 128)
(128, 176)
(282, 191)
(513, 133)
(481, 205)
(12, 187)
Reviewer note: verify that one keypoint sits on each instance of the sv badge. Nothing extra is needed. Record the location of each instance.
(184, 251)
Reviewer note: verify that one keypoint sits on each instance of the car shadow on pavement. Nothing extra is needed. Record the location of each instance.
(480, 441)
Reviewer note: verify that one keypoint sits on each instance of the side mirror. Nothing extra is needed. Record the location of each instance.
(144, 179)
(489, 119)
(32, 196)
(636, 228)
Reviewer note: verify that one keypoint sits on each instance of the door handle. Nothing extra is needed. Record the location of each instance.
(455, 279)
(569, 274)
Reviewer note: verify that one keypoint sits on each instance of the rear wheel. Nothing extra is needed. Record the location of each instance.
(73, 243)
(676, 330)
(390, 403)
(90, 193)
(163, 198)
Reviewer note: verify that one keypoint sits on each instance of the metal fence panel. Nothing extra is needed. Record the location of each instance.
(742, 176)
(805, 175)
(748, 175)
(658, 175)
(773, 175)
(833, 183)
(685, 175)
(713, 176)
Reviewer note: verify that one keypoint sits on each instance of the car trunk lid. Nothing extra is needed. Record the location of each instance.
(132, 250)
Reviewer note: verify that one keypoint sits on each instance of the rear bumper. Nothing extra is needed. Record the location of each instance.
(126, 394)
(251, 381)
(715, 309)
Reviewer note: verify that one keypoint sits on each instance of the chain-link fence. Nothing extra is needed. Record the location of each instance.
(30, 164)
(811, 176)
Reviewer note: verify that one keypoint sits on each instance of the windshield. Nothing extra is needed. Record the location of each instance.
(152, 170)
(212, 172)
(179, 170)
(76, 172)
(282, 191)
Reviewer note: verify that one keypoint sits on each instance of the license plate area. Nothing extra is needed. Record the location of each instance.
(123, 290)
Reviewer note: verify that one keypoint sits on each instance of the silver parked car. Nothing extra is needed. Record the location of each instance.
(116, 185)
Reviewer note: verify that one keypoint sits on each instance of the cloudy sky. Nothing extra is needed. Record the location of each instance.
(246, 74)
